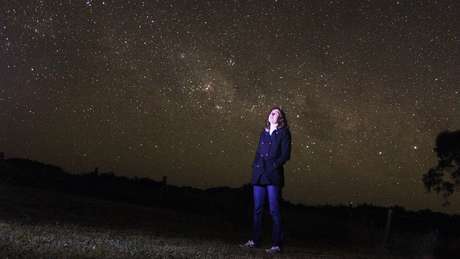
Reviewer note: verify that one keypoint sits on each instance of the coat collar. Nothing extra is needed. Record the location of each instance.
(276, 131)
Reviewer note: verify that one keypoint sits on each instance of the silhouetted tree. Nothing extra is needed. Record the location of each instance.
(445, 176)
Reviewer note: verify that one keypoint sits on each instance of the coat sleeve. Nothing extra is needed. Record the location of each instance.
(285, 150)
(257, 156)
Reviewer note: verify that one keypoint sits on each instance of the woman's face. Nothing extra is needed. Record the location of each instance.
(273, 116)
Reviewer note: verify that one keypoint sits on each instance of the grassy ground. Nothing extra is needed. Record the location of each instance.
(43, 224)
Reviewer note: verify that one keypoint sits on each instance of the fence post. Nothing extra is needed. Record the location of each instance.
(164, 183)
(387, 227)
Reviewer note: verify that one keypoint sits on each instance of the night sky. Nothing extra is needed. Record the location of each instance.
(183, 89)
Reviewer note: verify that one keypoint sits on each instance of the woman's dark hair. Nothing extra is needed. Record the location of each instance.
(282, 120)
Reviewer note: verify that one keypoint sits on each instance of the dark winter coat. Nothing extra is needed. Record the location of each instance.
(273, 151)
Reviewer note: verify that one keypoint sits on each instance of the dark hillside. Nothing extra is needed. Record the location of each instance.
(39, 193)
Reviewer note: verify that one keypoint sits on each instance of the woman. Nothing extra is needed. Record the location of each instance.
(273, 151)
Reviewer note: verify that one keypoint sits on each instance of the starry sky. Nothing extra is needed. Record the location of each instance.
(183, 89)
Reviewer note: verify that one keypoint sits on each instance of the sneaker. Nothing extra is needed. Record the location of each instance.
(273, 250)
(249, 244)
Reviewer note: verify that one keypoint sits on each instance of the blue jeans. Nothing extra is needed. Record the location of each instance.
(274, 195)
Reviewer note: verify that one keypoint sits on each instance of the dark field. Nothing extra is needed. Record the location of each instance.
(36, 223)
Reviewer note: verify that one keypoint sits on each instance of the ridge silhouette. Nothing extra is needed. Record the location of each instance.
(363, 224)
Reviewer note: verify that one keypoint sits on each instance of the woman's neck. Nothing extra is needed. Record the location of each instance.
(273, 127)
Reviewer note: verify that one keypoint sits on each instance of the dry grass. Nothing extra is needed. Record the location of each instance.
(43, 224)
(74, 241)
